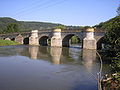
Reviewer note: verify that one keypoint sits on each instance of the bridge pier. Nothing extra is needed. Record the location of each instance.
(89, 42)
(56, 40)
(19, 39)
(33, 39)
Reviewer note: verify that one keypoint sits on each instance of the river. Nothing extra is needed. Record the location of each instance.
(26, 67)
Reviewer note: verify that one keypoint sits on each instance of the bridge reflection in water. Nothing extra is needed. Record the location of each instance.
(56, 54)
(89, 57)
(60, 55)
(33, 50)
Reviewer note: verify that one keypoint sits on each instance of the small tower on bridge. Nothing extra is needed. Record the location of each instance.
(89, 42)
(56, 40)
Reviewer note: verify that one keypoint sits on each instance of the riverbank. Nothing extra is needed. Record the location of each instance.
(111, 82)
(7, 43)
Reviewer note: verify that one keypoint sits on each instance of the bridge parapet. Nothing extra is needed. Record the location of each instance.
(81, 30)
(49, 30)
(72, 30)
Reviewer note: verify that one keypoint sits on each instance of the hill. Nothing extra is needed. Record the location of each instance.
(24, 25)
(29, 25)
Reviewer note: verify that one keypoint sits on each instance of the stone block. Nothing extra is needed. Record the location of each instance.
(56, 42)
(33, 41)
(89, 44)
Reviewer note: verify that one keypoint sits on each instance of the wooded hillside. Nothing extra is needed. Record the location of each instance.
(24, 25)
(7, 25)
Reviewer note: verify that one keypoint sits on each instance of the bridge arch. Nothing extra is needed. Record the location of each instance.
(26, 40)
(66, 39)
(43, 41)
(100, 43)
(12, 39)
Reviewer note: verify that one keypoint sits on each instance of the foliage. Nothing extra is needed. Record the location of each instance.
(4, 22)
(112, 39)
(24, 26)
(112, 36)
(113, 33)
(86, 27)
(118, 10)
(112, 82)
(115, 66)
(75, 40)
(7, 42)
(61, 27)
(27, 26)
(75, 27)
(115, 63)
(13, 27)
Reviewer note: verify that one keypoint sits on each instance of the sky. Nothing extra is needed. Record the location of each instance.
(67, 12)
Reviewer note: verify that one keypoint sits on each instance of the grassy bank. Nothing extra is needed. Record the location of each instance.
(7, 42)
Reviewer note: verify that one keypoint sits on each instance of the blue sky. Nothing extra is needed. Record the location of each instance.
(68, 12)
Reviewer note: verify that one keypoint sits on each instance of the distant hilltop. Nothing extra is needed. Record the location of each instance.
(26, 25)
(30, 25)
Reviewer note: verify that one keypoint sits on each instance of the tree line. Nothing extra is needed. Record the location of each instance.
(112, 50)
(9, 25)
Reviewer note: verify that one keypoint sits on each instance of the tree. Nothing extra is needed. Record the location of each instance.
(61, 27)
(113, 33)
(118, 10)
(13, 27)
(75, 40)
(112, 36)
(16, 27)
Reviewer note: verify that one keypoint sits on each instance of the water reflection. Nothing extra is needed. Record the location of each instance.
(56, 54)
(68, 56)
(33, 50)
(89, 57)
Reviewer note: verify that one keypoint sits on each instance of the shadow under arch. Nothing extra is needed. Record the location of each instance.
(43, 41)
(26, 40)
(100, 43)
(13, 39)
(66, 42)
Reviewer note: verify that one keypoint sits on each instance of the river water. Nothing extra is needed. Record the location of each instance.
(48, 68)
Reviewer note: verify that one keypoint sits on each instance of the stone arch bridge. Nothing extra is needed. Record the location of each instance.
(89, 37)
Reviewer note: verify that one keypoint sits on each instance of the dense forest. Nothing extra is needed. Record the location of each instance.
(8, 25)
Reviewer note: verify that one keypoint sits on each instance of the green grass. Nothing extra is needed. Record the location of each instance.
(7, 42)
